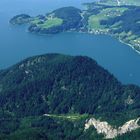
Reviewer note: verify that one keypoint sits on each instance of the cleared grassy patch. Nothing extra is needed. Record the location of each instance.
(35, 20)
(71, 117)
(120, 2)
(94, 20)
(51, 23)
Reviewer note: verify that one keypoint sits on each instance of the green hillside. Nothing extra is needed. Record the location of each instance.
(68, 90)
(120, 2)
(62, 19)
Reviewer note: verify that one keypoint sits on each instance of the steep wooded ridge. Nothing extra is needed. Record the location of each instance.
(75, 87)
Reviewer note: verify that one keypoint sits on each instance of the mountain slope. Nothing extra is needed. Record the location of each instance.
(59, 84)
(62, 84)
(51, 81)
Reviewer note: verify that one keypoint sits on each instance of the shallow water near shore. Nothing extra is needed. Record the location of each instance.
(17, 44)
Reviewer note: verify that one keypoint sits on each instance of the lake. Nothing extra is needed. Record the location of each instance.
(16, 43)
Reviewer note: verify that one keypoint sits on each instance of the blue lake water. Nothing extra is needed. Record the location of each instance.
(16, 43)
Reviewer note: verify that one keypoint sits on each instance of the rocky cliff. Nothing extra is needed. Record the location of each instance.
(109, 131)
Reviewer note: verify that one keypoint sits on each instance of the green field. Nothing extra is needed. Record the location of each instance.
(94, 20)
(71, 117)
(35, 20)
(50, 22)
(120, 2)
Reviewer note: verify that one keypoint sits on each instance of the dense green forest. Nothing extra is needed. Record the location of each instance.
(51, 97)
(72, 89)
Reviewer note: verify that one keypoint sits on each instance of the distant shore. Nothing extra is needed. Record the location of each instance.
(128, 44)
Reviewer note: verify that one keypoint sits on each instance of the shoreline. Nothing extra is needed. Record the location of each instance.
(121, 41)
(130, 45)
(89, 32)
(111, 35)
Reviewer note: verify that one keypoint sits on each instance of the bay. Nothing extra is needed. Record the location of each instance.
(17, 44)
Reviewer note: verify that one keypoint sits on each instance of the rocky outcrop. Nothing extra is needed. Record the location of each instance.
(109, 131)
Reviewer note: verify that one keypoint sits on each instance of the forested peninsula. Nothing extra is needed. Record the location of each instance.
(119, 21)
